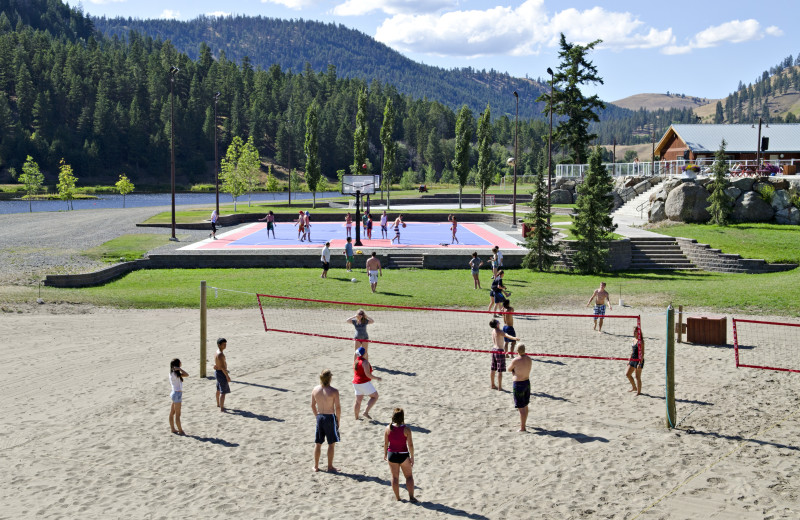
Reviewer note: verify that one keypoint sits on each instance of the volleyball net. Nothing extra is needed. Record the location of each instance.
(544, 334)
(767, 345)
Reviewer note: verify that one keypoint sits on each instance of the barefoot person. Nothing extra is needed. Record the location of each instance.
(498, 354)
(520, 369)
(328, 411)
(307, 219)
(325, 258)
(398, 450)
(361, 339)
(636, 362)
(497, 293)
(508, 327)
(214, 218)
(270, 218)
(601, 298)
(384, 225)
(362, 383)
(176, 375)
(475, 264)
(398, 223)
(453, 228)
(348, 254)
(301, 227)
(221, 373)
(373, 270)
(348, 224)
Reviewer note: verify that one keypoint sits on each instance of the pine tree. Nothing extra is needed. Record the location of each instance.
(485, 171)
(66, 183)
(719, 117)
(540, 241)
(463, 138)
(311, 149)
(721, 202)
(360, 135)
(389, 147)
(593, 223)
(32, 178)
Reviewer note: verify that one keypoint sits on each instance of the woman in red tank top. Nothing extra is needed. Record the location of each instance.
(398, 450)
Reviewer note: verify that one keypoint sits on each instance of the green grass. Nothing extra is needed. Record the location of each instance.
(127, 247)
(774, 243)
(773, 293)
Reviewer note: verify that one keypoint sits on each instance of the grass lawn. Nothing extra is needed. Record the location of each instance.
(774, 243)
(128, 247)
(773, 293)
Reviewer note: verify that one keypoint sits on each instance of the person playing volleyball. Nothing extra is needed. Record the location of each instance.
(362, 383)
(497, 293)
(328, 412)
(498, 354)
(600, 297)
(520, 369)
(453, 228)
(360, 322)
(398, 450)
(636, 362)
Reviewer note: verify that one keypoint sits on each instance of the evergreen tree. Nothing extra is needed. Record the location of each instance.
(593, 223)
(462, 148)
(721, 202)
(124, 186)
(66, 183)
(719, 117)
(389, 147)
(485, 171)
(576, 111)
(540, 241)
(311, 149)
(32, 178)
(360, 135)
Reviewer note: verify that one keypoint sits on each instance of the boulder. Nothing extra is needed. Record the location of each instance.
(780, 200)
(733, 192)
(789, 216)
(687, 203)
(703, 181)
(666, 187)
(575, 198)
(561, 197)
(743, 183)
(617, 199)
(626, 194)
(560, 182)
(568, 185)
(794, 186)
(750, 207)
(657, 212)
(630, 182)
(642, 187)
(655, 179)
(778, 183)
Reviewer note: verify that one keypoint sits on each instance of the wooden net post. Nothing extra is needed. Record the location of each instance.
(203, 329)
(670, 369)
(680, 323)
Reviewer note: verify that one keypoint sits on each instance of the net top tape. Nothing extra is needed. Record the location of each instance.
(737, 320)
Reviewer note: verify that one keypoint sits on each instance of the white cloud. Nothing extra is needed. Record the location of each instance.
(217, 14)
(735, 31)
(292, 4)
(391, 7)
(170, 14)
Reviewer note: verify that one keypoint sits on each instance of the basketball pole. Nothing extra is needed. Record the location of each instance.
(358, 219)
(203, 328)
(670, 368)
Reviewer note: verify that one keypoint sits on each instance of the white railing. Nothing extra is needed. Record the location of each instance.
(673, 168)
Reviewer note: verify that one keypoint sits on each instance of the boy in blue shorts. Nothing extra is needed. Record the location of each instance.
(221, 373)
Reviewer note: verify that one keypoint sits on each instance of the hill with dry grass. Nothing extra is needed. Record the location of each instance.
(652, 102)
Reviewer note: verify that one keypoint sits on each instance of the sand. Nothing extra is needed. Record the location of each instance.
(85, 431)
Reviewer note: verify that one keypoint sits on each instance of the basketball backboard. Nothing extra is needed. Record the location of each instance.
(364, 184)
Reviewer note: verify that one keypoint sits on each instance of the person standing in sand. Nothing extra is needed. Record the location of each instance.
(360, 322)
(362, 383)
(373, 270)
(176, 375)
(508, 327)
(498, 354)
(221, 373)
(497, 294)
(520, 369)
(398, 450)
(328, 412)
(600, 297)
(636, 362)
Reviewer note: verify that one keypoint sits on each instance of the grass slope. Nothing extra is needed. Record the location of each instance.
(128, 247)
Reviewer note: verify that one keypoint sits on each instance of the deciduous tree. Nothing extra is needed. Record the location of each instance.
(124, 186)
(66, 183)
(32, 178)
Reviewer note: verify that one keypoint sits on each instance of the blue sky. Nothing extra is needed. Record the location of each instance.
(700, 48)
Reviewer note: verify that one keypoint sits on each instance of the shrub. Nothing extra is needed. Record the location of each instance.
(796, 200)
(408, 180)
(767, 192)
(202, 188)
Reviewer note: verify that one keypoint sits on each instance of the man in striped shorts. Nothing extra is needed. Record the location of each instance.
(601, 298)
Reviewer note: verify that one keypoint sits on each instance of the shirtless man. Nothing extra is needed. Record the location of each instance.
(373, 269)
(508, 327)
(221, 373)
(498, 354)
(398, 223)
(601, 298)
(520, 369)
(328, 411)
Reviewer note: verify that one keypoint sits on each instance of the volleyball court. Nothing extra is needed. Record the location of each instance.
(767, 345)
(544, 334)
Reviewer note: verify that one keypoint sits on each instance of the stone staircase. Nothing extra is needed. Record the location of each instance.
(659, 253)
(404, 261)
(710, 259)
(628, 211)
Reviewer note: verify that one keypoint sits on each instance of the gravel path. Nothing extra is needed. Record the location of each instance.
(33, 245)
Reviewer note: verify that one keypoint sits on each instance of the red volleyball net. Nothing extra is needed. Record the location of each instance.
(767, 345)
(544, 334)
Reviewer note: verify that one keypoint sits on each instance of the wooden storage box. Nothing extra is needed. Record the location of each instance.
(707, 330)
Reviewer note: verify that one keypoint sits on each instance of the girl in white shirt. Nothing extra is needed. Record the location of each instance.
(176, 375)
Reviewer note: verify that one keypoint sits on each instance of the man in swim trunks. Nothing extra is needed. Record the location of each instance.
(520, 369)
(270, 218)
(498, 354)
(348, 253)
(508, 327)
(362, 383)
(301, 227)
(221, 373)
(373, 269)
(398, 222)
(601, 298)
(328, 411)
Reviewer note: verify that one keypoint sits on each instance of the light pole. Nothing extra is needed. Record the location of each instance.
(516, 140)
(758, 146)
(172, 72)
(653, 156)
(216, 152)
(550, 147)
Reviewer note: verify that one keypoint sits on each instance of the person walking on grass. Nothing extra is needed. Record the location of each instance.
(362, 383)
(270, 218)
(398, 451)
(328, 412)
(221, 373)
(475, 264)
(325, 257)
(373, 269)
(214, 218)
(361, 338)
(348, 254)
(520, 369)
(176, 375)
(636, 362)
(601, 298)
(498, 354)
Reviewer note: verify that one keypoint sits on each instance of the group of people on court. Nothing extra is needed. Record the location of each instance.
(367, 224)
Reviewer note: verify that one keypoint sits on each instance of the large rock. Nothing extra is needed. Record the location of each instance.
(568, 185)
(780, 200)
(667, 187)
(779, 183)
(687, 203)
(733, 192)
(750, 207)
(657, 212)
(794, 186)
(788, 216)
(575, 198)
(642, 187)
(561, 197)
(743, 183)
(627, 194)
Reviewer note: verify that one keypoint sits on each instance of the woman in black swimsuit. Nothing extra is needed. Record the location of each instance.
(636, 362)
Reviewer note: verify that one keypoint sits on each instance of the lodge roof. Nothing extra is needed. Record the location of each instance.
(703, 139)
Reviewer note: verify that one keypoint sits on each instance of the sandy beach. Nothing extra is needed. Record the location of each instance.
(85, 432)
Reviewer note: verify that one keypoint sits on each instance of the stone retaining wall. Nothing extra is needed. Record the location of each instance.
(714, 260)
(619, 255)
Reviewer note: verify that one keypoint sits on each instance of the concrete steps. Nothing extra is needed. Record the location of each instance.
(405, 261)
(659, 253)
(628, 210)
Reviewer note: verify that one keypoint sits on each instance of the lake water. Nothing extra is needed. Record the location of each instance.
(140, 200)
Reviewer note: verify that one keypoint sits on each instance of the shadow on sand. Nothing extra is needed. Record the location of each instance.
(251, 415)
(213, 440)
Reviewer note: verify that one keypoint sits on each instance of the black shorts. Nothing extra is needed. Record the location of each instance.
(636, 364)
(325, 266)
(397, 458)
(522, 393)
(214, 227)
(327, 429)
(222, 382)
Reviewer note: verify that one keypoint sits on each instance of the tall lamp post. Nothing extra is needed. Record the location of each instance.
(172, 72)
(216, 152)
(758, 146)
(516, 140)
(550, 147)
